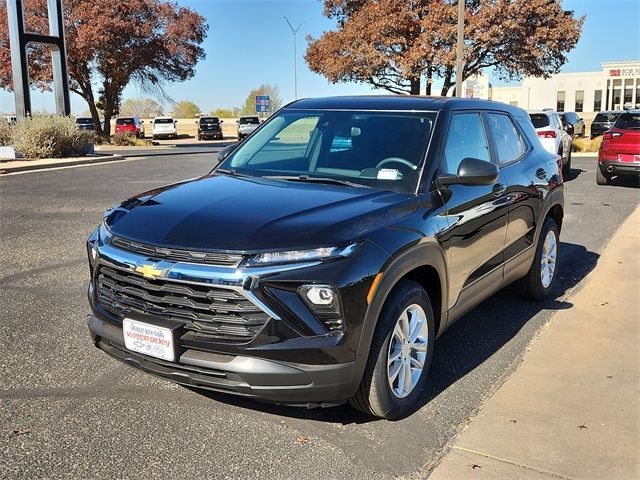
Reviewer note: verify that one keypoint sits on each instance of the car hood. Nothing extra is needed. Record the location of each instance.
(250, 214)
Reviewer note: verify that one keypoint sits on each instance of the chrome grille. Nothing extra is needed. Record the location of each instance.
(176, 255)
(219, 312)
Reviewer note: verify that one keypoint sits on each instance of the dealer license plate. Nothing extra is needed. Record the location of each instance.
(148, 339)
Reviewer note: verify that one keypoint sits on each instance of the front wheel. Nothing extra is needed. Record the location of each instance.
(538, 283)
(400, 355)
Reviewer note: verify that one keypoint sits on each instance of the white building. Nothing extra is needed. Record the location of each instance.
(615, 87)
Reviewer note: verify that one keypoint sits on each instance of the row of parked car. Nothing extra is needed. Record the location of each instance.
(165, 127)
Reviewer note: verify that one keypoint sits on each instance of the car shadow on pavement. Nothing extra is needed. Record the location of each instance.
(627, 181)
(572, 174)
(467, 344)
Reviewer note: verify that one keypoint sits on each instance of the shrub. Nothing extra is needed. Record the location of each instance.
(50, 136)
(5, 133)
(128, 140)
(586, 145)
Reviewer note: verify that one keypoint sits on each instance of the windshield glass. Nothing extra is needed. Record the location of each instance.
(373, 149)
(539, 120)
(606, 117)
(251, 120)
(125, 121)
(208, 121)
(163, 120)
(84, 121)
(628, 121)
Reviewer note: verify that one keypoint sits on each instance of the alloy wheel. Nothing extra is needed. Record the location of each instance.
(407, 350)
(548, 260)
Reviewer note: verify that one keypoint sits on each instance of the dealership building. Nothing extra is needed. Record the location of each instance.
(615, 87)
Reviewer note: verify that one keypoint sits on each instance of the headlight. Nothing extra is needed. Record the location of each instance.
(315, 254)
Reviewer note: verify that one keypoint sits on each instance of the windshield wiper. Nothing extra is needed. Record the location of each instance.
(307, 178)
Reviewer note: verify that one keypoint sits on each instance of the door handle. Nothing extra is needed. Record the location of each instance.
(498, 189)
(541, 173)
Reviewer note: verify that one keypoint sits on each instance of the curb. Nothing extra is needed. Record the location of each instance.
(584, 154)
(63, 163)
(133, 147)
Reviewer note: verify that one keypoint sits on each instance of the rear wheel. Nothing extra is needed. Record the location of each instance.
(567, 166)
(601, 177)
(400, 354)
(538, 283)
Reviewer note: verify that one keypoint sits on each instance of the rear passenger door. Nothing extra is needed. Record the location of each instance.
(477, 217)
(527, 178)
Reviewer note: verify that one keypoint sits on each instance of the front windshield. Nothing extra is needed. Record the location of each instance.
(372, 149)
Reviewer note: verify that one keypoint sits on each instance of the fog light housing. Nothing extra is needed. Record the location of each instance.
(320, 294)
(324, 303)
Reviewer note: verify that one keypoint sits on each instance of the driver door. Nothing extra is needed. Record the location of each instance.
(477, 216)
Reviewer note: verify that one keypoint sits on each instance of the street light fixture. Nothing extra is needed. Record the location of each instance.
(294, 31)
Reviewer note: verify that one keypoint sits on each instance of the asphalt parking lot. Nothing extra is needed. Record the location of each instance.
(68, 410)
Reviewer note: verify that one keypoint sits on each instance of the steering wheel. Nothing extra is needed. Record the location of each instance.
(402, 161)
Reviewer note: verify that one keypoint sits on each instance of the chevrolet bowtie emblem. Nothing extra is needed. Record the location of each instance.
(149, 271)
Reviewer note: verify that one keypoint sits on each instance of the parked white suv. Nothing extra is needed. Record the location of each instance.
(164, 127)
(246, 125)
(552, 135)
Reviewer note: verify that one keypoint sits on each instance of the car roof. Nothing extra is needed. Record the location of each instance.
(401, 103)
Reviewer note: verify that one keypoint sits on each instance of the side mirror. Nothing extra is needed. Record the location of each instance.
(221, 121)
(237, 121)
(141, 122)
(196, 122)
(226, 151)
(472, 171)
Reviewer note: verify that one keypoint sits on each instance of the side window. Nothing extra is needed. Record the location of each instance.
(466, 139)
(507, 140)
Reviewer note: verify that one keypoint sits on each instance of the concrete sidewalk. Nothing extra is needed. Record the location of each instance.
(572, 409)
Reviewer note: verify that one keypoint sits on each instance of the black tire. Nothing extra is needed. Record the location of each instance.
(567, 166)
(601, 177)
(374, 395)
(530, 286)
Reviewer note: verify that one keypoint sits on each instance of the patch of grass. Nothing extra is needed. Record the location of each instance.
(586, 144)
(128, 140)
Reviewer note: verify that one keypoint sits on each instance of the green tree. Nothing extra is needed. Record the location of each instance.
(224, 113)
(249, 106)
(186, 109)
(140, 107)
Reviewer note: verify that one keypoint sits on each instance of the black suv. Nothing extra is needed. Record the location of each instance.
(603, 121)
(209, 127)
(318, 263)
(572, 123)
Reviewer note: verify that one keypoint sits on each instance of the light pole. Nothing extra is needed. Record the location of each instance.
(460, 48)
(294, 31)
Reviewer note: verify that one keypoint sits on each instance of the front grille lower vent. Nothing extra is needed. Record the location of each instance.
(218, 312)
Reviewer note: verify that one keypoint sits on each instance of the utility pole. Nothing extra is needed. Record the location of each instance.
(460, 48)
(294, 31)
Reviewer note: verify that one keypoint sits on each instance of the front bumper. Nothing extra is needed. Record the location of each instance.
(278, 382)
(292, 358)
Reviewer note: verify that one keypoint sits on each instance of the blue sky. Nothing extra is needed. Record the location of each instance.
(249, 43)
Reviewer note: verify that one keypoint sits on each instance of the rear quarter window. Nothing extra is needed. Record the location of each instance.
(628, 121)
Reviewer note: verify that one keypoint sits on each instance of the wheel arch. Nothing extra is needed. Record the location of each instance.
(424, 264)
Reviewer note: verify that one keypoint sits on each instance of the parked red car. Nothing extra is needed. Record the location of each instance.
(620, 150)
(132, 125)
